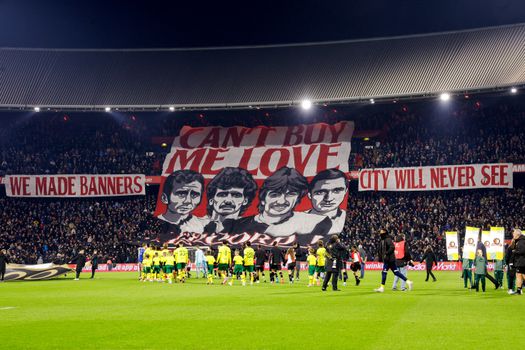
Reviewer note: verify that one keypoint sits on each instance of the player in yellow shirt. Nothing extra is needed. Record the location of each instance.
(238, 268)
(169, 265)
(249, 256)
(156, 267)
(163, 257)
(312, 262)
(146, 268)
(163, 254)
(210, 261)
(321, 260)
(181, 256)
(224, 258)
(149, 252)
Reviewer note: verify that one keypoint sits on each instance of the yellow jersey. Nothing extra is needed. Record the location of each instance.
(149, 252)
(249, 254)
(225, 255)
(321, 256)
(210, 260)
(237, 259)
(156, 261)
(311, 259)
(170, 260)
(146, 262)
(181, 255)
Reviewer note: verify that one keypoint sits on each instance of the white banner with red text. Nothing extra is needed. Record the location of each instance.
(75, 185)
(437, 178)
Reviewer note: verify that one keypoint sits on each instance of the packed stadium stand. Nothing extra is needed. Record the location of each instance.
(472, 129)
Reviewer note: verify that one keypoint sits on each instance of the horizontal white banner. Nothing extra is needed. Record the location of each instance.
(75, 185)
(437, 178)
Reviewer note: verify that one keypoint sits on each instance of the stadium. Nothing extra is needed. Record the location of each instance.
(360, 192)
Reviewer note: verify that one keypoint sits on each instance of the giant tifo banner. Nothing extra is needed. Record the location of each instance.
(74, 185)
(261, 184)
(437, 178)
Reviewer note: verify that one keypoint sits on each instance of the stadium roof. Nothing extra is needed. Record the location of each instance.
(344, 71)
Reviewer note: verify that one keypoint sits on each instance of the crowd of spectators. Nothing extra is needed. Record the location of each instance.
(424, 217)
(37, 230)
(464, 136)
(404, 135)
(42, 228)
(84, 144)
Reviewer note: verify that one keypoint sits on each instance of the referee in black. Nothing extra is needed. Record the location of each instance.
(335, 252)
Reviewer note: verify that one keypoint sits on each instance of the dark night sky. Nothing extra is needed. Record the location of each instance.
(134, 24)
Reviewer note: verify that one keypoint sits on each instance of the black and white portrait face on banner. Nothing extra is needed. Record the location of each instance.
(261, 184)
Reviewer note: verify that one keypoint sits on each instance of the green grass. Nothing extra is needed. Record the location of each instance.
(115, 311)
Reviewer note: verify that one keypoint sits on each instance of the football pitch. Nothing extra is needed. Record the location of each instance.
(115, 311)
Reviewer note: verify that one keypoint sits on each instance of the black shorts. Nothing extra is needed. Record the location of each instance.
(275, 267)
(520, 269)
(259, 268)
(355, 266)
(291, 266)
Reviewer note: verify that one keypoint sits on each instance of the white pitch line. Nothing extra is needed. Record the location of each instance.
(7, 307)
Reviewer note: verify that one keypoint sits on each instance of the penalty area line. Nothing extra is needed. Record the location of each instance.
(7, 307)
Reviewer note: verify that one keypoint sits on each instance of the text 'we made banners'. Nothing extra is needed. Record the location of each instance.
(261, 184)
(75, 185)
(437, 178)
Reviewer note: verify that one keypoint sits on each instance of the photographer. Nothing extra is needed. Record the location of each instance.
(334, 261)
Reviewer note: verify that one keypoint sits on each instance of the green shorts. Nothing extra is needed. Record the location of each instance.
(156, 269)
(210, 269)
(311, 270)
(181, 266)
(168, 268)
(223, 267)
(319, 269)
(146, 269)
(249, 268)
(237, 269)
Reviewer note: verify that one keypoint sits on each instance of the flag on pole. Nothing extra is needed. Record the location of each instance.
(471, 239)
(497, 238)
(485, 239)
(452, 245)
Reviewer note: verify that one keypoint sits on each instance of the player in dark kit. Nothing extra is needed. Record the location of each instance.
(276, 260)
(387, 256)
(260, 259)
(94, 264)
